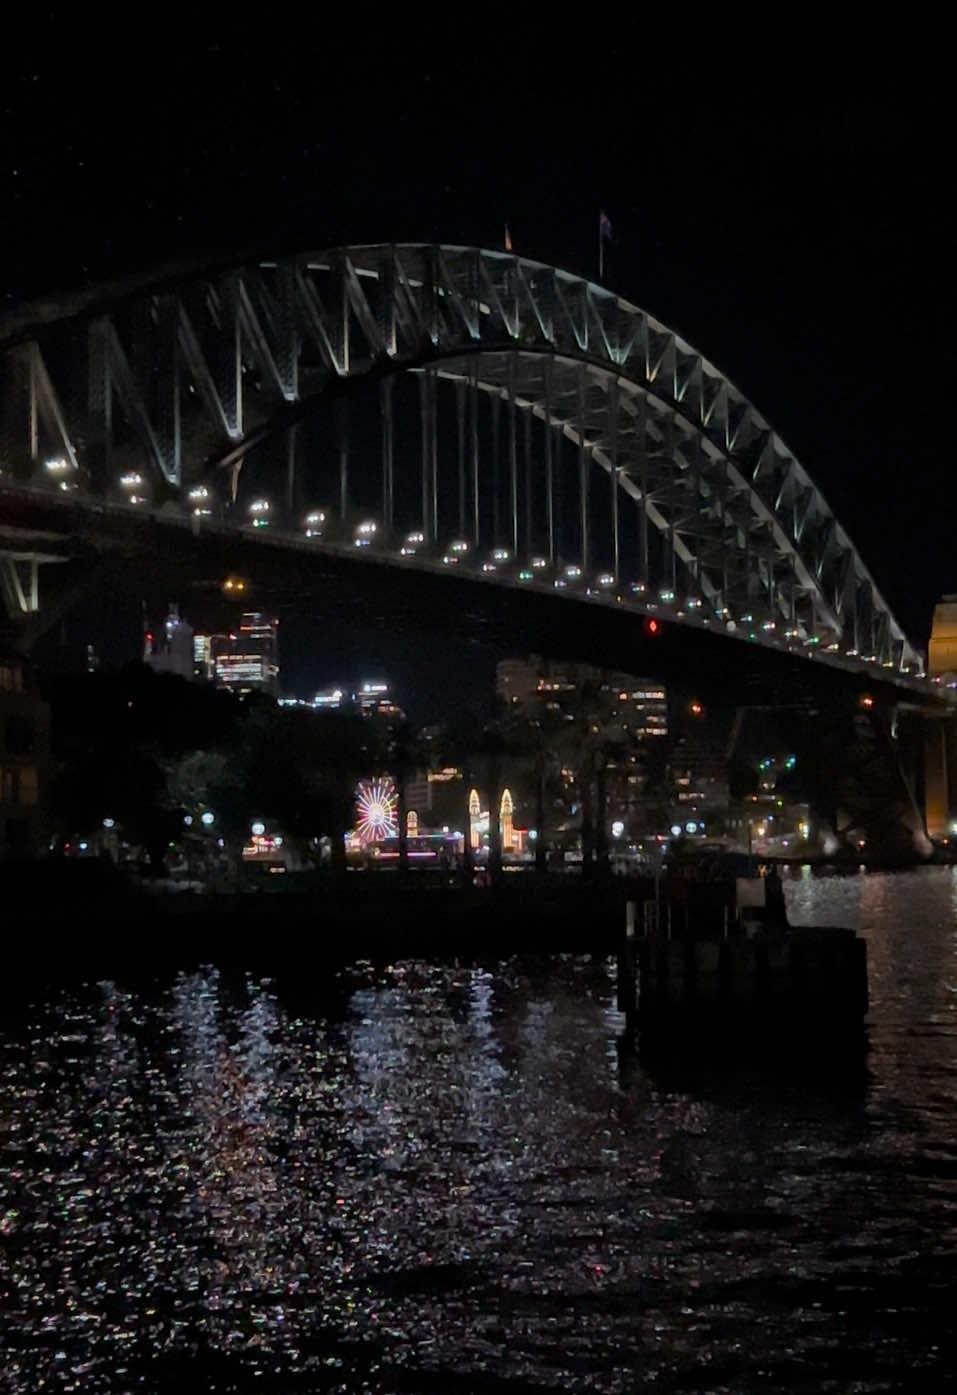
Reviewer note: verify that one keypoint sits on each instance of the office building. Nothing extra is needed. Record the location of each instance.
(244, 661)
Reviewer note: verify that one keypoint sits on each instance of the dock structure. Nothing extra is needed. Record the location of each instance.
(677, 974)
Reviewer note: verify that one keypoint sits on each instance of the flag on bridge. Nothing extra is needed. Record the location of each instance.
(604, 235)
(508, 239)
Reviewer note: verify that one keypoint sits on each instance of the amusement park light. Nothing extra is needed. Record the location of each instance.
(377, 810)
(208, 818)
(606, 579)
(314, 522)
(638, 588)
(413, 539)
(676, 830)
(769, 625)
(132, 480)
(617, 828)
(500, 554)
(109, 823)
(59, 465)
(525, 576)
(539, 563)
(199, 495)
(573, 572)
(459, 546)
(258, 828)
(693, 603)
(449, 560)
(259, 507)
(366, 529)
(666, 595)
(489, 567)
(560, 583)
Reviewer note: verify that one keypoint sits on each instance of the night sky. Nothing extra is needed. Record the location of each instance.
(782, 206)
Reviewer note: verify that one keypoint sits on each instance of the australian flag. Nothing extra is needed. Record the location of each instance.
(604, 227)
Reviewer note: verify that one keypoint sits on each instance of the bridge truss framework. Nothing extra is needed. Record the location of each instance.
(564, 438)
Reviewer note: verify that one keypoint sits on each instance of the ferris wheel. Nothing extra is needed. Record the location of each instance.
(376, 810)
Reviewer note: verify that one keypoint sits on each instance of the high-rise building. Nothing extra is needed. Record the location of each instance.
(245, 660)
(171, 650)
(637, 704)
(373, 698)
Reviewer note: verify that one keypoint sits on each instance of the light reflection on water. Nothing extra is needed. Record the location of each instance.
(457, 1180)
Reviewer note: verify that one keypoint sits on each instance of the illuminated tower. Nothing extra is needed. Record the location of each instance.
(940, 764)
(475, 813)
(942, 654)
(506, 810)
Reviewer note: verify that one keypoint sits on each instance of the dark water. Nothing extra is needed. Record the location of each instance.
(456, 1180)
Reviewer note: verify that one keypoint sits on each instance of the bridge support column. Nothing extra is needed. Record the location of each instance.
(937, 778)
(25, 614)
(20, 583)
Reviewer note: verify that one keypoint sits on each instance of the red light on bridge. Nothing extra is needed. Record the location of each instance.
(652, 626)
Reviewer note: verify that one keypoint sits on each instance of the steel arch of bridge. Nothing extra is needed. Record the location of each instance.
(159, 395)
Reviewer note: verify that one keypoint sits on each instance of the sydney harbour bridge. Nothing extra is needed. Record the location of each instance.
(414, 411)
